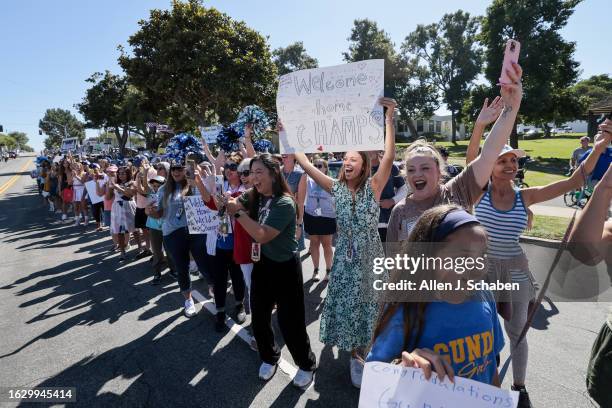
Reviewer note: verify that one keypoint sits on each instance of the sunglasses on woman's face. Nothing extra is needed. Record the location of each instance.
(231, 166)
(177, 168)
(245, 173)
(319, 166)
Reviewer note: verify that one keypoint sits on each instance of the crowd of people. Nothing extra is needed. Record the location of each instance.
(268, 203)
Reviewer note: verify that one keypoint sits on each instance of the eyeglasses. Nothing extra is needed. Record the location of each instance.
(245, 173)
(319, 166)
(231, 166)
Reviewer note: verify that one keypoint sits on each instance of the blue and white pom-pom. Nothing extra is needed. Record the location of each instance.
(262, 145)
(256, 116)
(181, 145)
(228, 139)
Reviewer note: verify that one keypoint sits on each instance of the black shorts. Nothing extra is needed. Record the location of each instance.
(140, 219)
(319, 225)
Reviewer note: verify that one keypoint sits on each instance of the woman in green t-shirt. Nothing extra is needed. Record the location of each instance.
(268, 214)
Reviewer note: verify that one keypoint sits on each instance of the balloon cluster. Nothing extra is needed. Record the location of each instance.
(181, 145)
(254, 115)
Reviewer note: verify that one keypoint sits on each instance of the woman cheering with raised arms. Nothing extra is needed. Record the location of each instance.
(351, 308)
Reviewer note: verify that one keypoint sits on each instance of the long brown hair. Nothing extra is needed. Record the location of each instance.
(279, 184)
(414, 312)
(171, 185)
(366, 170)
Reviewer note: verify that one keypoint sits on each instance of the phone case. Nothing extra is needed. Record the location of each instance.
(511, 55)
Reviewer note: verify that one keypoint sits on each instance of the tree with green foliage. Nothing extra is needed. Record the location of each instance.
(21, 139)
(596, 88)
(112, 103)
(549, 68)
(60, 123)
(293, 58)
(449, 54)
(404, 80)
(7, 142)
(201, 62)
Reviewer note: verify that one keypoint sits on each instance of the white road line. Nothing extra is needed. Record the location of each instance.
(240, 331)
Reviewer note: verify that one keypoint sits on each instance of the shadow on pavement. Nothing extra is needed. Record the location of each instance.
(176, 362)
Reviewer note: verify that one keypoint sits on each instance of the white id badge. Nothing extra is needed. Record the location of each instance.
(255, 251)
(318, 212)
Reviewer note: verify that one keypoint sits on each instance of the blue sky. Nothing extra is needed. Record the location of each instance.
(49, 48)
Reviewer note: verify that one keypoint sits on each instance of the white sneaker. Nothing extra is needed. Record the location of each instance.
(51, 208)
(193, 268)
(267, 371)
(356, 372)
(303, 379)
(190, 309)
(77, 221)
(86, 221)
(64, 217)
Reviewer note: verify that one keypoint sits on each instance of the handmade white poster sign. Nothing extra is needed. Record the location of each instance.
(209, 133)
(200, 218)
(333, 109)
(91, 191)
(389, 385)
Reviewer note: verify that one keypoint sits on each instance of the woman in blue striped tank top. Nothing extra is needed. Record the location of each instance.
(503, 212)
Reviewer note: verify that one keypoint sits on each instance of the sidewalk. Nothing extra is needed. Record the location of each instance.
(553, 211)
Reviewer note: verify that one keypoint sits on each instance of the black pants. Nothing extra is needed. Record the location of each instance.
(382, 232)
(280, 283)
(224, 263)
(178, 244)
(97, 210)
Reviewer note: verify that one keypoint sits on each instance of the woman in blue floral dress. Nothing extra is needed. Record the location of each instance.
(351, 308)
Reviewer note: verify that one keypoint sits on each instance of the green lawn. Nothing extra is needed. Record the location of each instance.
(551, 156)
(548, 227)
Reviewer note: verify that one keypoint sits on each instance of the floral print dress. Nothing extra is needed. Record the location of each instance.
(351, 307)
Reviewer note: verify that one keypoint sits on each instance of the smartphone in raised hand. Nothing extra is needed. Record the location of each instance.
(190, 169)
(511, 54)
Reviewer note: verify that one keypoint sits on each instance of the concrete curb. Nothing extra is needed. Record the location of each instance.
(547, 243)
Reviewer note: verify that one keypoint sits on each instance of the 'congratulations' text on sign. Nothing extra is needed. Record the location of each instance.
(388, 385)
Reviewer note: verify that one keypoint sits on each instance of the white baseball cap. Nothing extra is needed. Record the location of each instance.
(508, 149)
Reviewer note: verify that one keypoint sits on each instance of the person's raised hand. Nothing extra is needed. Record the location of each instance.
(604, 137)
(279, 125)
(390, 104)
(513, 93)
(490, 112)
(427, 360)
(248, 130)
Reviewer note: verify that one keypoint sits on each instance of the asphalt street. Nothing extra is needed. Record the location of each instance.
(71, 315)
